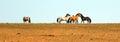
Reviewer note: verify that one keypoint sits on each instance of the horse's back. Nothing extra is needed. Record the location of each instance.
(88, 18)
(74, 18)
(63, 18)
(26, 18)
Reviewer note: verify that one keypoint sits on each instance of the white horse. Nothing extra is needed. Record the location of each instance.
(26, 18)
(59, 19)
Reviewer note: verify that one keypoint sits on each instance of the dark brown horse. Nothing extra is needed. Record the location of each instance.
(26, 18)
(85, 19)
(74, 19)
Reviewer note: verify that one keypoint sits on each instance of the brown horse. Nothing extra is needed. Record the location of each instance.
(74, 19)
(85, 19)
(26, 18)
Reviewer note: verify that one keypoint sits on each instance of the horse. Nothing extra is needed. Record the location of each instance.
(85, 19)
(74, 19)
(59, 19)
(26, 18)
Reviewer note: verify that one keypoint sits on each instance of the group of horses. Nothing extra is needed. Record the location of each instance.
(68, 18)
(73, 19)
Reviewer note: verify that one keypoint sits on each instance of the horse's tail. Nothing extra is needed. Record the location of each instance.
(29, 20)
(23, 19)
(58, 20)
(68, 20)
(90, 20)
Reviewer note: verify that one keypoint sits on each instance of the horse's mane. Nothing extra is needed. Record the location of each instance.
(80, 14)
(67, 15)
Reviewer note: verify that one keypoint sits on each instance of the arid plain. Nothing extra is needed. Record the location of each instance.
(52, 32)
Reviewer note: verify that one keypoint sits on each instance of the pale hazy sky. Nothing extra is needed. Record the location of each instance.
(46, 11)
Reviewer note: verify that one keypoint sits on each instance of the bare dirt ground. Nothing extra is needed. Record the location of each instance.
(14, 32)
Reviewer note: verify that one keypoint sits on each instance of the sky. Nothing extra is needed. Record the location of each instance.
(46, 11)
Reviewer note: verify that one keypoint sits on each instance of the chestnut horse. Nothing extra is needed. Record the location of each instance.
(59, 19)
(26, 18)
(74, 19)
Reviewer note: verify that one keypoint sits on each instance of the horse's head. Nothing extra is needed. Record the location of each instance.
(78, 14)
(67, 15)
(26, 17)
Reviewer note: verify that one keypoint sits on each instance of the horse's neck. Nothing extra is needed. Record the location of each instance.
(67, 16)
(76, 16)
(82, 17)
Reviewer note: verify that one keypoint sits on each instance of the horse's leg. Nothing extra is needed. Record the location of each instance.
(24, 21)
(81, 21)
(67, 21)
(58, 20)
(76, 21)
(29, 21)
(73, 21)
(88, 21)
(70, 21)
